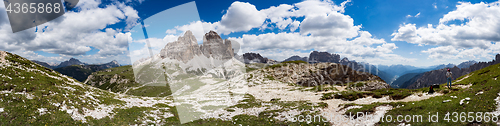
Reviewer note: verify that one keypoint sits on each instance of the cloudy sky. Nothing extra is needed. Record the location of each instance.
(419, 33)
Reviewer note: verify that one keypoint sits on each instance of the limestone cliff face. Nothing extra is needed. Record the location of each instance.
(186, 47)
(214, 46)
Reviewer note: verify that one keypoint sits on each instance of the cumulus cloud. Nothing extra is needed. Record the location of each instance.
(475, 37)
(241, 16)
(324, 27)
(74, 33)
(334, 23)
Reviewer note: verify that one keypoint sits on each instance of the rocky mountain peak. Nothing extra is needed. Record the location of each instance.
(186, 47)
(212, 35)
(70, 62)
(295, 58)
(254, 58)
(214, 46)
(321, 57)
(344, 60)
(74, 60)
(113, 63)
(188, 38)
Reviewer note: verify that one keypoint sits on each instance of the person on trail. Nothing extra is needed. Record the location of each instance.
(449, 78)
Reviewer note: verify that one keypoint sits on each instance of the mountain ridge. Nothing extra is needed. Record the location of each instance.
(438, 76)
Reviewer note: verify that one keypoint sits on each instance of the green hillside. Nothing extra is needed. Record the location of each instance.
(484, 80)
(124, 82)
(31, 94)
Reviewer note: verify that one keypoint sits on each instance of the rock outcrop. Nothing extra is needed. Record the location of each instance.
(116, 79)
(369, 86)
(323, 57)
(186, 47)
(319, 74)
(254, 58)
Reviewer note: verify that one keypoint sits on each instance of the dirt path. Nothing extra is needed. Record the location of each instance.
(461, 79)
(462, 86)
(133, 88)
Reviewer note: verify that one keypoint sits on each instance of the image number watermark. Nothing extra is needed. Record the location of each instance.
(26, 14)
(34, 8)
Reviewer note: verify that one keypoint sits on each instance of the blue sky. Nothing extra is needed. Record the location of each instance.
(374, 31)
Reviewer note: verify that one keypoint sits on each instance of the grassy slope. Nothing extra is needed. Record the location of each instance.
(126, 72)
(482, 80)
(45, 92)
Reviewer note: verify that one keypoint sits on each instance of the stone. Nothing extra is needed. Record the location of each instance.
(479, 93)
(3, 54)
(446, 101)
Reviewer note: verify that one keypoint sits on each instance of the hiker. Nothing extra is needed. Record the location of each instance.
(449, 78)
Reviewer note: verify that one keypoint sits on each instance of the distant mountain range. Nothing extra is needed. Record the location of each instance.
(77, 69)
(418, 79)
(70, 62)
(322, 57)
(403, 73)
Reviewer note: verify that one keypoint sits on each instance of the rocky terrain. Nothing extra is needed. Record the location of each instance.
(325, 57)
(35, 95)
(261, 96)
(310, 75)
(439, 76)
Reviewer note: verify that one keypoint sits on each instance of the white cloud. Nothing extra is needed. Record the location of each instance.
(362, 48)
(434, 5)
(241, 16)
(324, 28)
(471, 39)
(171, 31)
(333, 24)
(74, 33)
